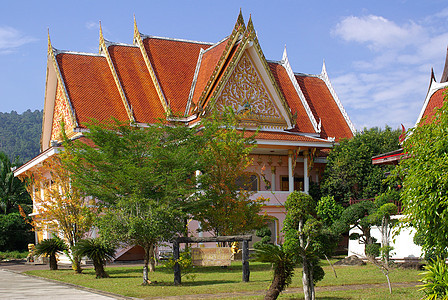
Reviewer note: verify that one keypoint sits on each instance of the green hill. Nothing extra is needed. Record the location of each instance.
(20, 134)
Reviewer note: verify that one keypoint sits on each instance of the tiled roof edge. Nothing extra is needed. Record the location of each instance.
(433, 88)
(193, 84)
(285, 64)
(326, 79)
(144, 36)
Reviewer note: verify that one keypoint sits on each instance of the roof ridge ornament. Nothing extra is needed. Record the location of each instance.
(284, 56)
(50, 47)
(326, 79)
(137, 37)
(445, 69)
(102, 46)
(285, 63)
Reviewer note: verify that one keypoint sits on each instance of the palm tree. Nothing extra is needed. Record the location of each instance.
(98, 251)
(51, 247)
(283, 265)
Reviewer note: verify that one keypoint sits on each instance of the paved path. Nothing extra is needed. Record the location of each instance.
(18, 286)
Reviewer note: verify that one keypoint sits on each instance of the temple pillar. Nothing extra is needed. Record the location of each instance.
(306, 178)
(273, 179)
(290, 171)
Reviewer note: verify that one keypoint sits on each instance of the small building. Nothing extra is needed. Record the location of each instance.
(299, 116)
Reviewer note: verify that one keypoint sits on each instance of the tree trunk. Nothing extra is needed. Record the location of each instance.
(152, 262)
(274, 290)
(385, 240)
(76, 264)
(146, 262)
(53, 262)
(307, 280)
(99, 269)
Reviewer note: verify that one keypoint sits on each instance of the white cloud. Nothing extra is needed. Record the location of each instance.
(388, 85)
(11, 38)
(377, 32)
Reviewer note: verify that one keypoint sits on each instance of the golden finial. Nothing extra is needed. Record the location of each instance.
(137, 37)
(102, 41)
(50, 47)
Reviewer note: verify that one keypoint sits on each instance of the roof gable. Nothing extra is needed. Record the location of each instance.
(248, 95)
(247, 52)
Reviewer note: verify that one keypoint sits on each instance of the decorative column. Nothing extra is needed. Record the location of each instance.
(273, 179)
(306, 178)
(290, 171)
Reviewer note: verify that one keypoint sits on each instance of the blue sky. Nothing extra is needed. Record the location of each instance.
(378, 54)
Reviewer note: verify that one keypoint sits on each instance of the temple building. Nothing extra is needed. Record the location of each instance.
(299, 116)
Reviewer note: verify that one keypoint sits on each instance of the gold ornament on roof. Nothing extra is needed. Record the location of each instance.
(246, 94)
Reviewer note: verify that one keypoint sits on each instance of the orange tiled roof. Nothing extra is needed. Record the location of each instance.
(93, 93)
(436, 101)
(137, 83)
(324, 107)
(208, 63)
(91, 87)
(174, 63)
(303, 123)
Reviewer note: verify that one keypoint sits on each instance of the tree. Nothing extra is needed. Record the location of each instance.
(142, 176)
(12, 190)
(15, 233)
(349, 173)
(224, 183)
(20, 134)
(302, 230)
(358, 216)
(50, 248)
(425, 184)
(382, 217)
(283, 264)
(98, 251)
(63, 206)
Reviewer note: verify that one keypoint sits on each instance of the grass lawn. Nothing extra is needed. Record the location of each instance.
(215, 280)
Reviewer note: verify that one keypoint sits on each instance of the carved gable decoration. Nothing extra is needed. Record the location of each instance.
(247, 94)
(61, 113)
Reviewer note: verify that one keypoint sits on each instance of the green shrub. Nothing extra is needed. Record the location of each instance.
(15, 234)
(98, 251)
(50, 248)
(13, 255)
(435, 280)
(185, 263)
(373, 250)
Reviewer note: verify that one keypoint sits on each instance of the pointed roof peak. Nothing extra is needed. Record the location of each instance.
(239, 25)
(324, 68)
(433, 77)
(137, 37)
(285, 55)
(250, 24)
(50, 47)
(445, 69)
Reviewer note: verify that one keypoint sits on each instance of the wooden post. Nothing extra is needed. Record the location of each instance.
(177, 274)
(245, 260)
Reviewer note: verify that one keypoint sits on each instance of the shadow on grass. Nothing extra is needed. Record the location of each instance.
(320, 298)
(192, 283)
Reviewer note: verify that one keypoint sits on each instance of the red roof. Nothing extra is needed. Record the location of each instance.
(137, 83)
(91, 88)
(436, 101)
(174, 63)
(208, 63)
(324, 107)
(303, 123)
(93, 91)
